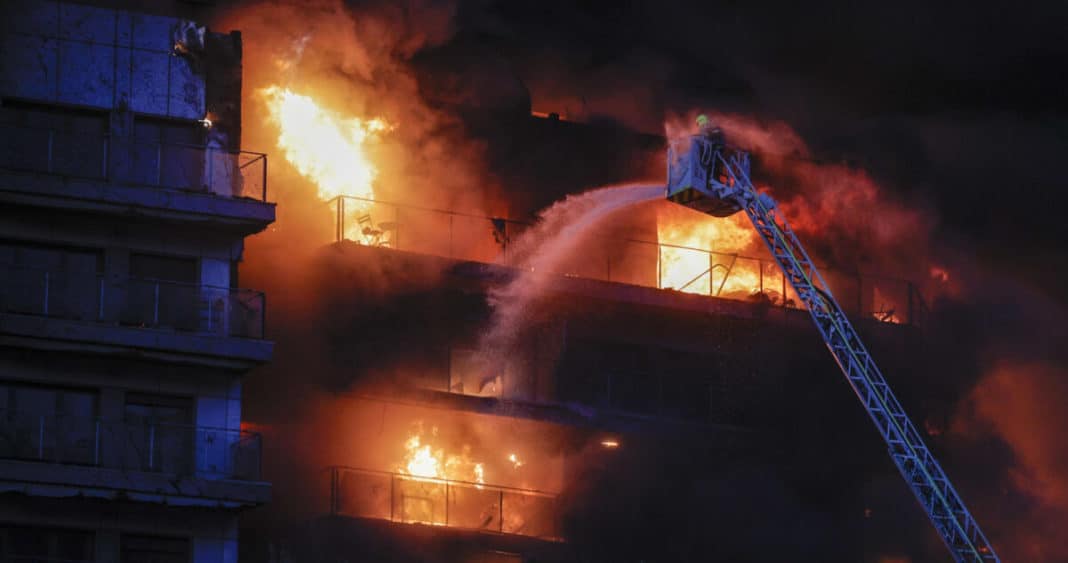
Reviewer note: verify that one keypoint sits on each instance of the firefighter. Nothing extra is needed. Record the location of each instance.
(709, 130)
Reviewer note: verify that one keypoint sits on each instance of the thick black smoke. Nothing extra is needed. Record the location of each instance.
(959, 104)
(959, 107)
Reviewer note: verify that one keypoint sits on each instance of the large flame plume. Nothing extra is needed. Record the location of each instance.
(326, 147)
(423, 460)
(434, 477)
(696, 251)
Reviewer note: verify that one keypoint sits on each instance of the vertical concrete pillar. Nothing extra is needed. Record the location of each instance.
(115, 283)
(215, 295)
(215, 272)
(233, 402)
(111, 433)
(218, 421)
(120, 126)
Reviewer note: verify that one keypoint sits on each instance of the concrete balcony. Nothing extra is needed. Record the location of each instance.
(131, 176)
(363, 493)
(169, 321)
(619, 268)
(65, 456)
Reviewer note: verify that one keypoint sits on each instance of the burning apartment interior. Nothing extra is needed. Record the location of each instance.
(496, 340)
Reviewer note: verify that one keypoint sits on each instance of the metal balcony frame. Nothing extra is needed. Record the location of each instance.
(111, 312)
(916, 313)
(110, 451)
(243, 160)
(335, 496)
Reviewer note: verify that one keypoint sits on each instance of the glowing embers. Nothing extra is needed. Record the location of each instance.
(326, 147)
(514, 460)
(884, 309)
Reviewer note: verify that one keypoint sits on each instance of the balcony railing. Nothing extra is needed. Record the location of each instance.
(133, 302)
(181, 450)
(479, 238)
(134, 161)
(442, 502)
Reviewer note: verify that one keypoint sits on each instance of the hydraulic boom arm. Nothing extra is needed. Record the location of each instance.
(715, 179)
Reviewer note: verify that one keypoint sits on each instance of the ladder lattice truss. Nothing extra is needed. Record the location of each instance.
(924, 475)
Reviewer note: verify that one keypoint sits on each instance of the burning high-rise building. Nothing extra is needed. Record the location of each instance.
(637, 401)
(478, 358)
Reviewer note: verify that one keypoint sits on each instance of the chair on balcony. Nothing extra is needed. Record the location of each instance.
(380, 234)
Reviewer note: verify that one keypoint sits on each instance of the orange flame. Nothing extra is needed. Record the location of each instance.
(515, 461)
(696, 256)
(425, 464)
(885, 310)
(422, 460)
(326, 147)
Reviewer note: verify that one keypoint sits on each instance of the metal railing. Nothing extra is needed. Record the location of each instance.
(183, 450)
(146, 303)
(134, 161)
(442, 502)
(479, 238)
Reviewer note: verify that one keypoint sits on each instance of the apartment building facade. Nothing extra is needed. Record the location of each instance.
(637, 423)
(124, 333)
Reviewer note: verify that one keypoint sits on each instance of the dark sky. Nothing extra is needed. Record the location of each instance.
(961, 104)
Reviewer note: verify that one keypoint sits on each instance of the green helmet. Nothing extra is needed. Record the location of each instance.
(703, 120)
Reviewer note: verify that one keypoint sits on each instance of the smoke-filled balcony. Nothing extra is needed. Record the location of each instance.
(143, 313)
(662, 264)
(371, 460)
(442, 502)
(48, 453)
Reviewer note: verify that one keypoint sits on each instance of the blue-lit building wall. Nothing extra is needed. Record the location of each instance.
(124, 333)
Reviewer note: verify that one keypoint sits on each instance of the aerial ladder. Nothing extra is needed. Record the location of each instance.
(707, 175)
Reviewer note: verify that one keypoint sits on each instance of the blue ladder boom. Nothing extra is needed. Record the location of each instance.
(715, 179)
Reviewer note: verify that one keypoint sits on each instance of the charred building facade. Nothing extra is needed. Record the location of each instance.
(660, 398)
(124, 334)
(646, 413)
